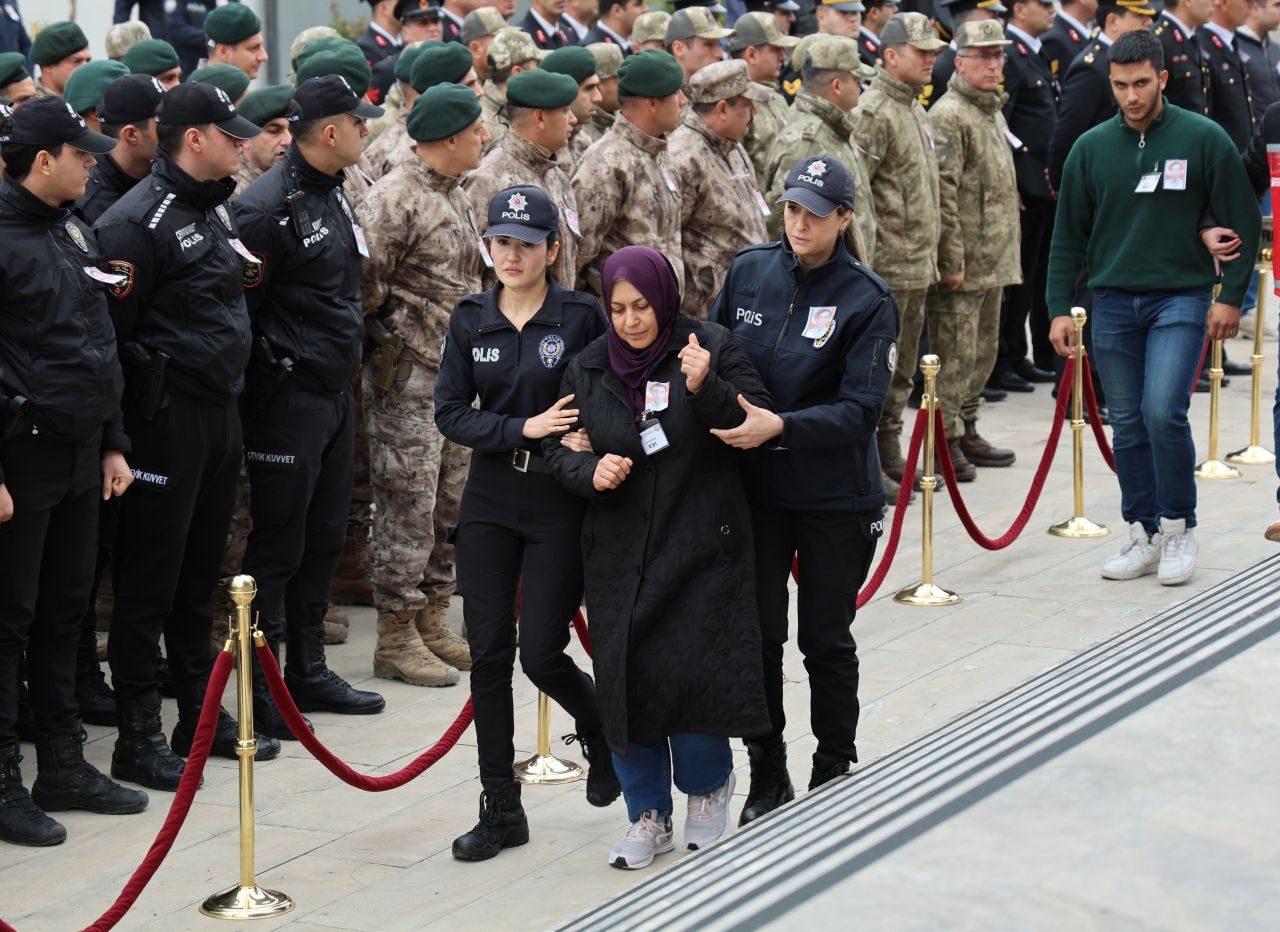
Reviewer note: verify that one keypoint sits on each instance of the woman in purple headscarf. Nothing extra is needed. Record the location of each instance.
(667, 550)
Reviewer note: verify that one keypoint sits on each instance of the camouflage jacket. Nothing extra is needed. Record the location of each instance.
(891, 128)
(247, 175)
(719, 211)
(976, 188)
(769, 120)
(393, 109)
(390, 147)
(599, 125)
(515, 161)
(571, 154)
(424, 254)
(816, 126)
(357, 180)
(493, 110)
(627, 196)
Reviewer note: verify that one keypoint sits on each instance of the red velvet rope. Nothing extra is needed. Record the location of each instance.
(868, 591)
(1095, 420)
(1037, 482)
(584, 636)
(293, 718)
(1204, 351)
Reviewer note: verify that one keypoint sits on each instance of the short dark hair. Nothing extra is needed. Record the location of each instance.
(1135, 47)
(515, 112)
(498, 75)
(19, 157)
(304, 131)
(817, 79)
(169, 136)
(607, 5)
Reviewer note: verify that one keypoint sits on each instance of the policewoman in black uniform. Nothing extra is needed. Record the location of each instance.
(62, 446)
(518, 530)
(821, 328)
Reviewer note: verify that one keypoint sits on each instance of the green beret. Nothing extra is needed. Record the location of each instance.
(13, 68)
(232, 23)
(321, 44)
(443, 111)
(86, 84)
(56, 41)
(542, 89)
(266, 104)
(652, 73)
(573, 60)
(404, 61)
(151, 56)
(445, 64)
(227, 77)
(345, 60)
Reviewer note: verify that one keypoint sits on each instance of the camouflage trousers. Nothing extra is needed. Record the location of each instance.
(417, 478)
(964, 332)
(911, 318)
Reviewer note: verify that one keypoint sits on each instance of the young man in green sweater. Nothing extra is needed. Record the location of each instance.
(1134, 190)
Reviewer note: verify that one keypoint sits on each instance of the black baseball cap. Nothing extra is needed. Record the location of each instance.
(524, 212)
(132, 98)
(820, 183)
(195, 104)
(47, 122)
(328, 96)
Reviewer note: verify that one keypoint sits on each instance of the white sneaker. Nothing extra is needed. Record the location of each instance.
(1177, 551)
(1137, 558)
(708, 818)
(646, 838)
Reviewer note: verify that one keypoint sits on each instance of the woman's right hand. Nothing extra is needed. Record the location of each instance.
(6, 504)
(611, 471)
(555, 420)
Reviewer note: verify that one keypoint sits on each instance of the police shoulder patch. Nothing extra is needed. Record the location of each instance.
(253, 271)
(125, 270)
(891, 358)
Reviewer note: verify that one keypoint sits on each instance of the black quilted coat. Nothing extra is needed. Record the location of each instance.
(669, 563)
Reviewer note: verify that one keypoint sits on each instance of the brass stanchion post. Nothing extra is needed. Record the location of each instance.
(246, 900)
(1214, 468)
(1255, 454)
(927, 593)
(543, 767)
(1078, 525)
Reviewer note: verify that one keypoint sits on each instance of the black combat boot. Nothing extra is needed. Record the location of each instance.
(770, 783)
(316, 688)
(21, 821)
(141, 755)
(267, 719)
(502, 825)
(826, 769)
(95, 698)
(602, 783)
(226, 734)
(65, 780)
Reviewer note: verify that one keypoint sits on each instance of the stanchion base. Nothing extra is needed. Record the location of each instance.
(1079, 527)
(549, 770)
(1216, 469)
(1252, 456)
(926, 594)
(246, 903)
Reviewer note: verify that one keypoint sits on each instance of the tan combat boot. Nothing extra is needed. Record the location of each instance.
(335, 626)
(439, 638)
(401, 655)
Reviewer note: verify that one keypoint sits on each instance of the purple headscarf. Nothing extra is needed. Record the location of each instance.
(651, 274)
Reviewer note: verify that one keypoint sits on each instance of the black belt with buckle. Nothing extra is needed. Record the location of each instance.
(522, 460)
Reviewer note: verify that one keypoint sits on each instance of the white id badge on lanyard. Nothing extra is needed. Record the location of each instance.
(1147, 183)
(652, 437)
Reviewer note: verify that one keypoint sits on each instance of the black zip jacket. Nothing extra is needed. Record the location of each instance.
(57, 347)
(173, 239)
(108, 182)
(829, 390)
(305, 299)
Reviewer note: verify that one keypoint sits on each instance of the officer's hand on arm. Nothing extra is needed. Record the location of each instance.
(6, 504)
(1062, 334)
(1223, 321)
(1223, 243)
(116, 475)
(611, 471)
(952, 282)
(760, 426)
(577, 441)
(694, 363)
(555, 420)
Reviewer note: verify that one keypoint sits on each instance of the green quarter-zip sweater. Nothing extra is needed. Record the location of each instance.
(1144, 242)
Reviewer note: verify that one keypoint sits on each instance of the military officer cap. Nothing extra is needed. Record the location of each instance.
(123, 36)
(650, 27)
(131, 98)
(511, 47)
(911, 29)
(48, 122)
(964, 6)
(608, 58)
(1137, 7)
(980, 33)
(480, 22)
(447, 63)
(725, 80)
(694, 21)
(56, 41)
(573, 60)
(408, 11)
(196, 104)
(844, 6)
(228, 77)
(267, 104)
(820, 184)
(542, 90)
(442, 111)
(652, 73)
(86, 84)
(13, 68)
(836, 53)
(231, 23)
(523, 212)
(346, 60)
(151, 56)
(768, 6)
(753, 29)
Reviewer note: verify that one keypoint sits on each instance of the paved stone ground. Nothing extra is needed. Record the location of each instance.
(363, 861)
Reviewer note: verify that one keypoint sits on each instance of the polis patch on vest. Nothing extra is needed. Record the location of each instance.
(551, 350)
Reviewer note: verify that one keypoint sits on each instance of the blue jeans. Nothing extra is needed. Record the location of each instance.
(702, 765)
(1147, 347)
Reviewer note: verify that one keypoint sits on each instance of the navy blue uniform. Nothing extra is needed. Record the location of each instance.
(1087, 100)
(184, 30)
(1061, 44)
(13, 32)
(1260, 61)
(518, 529)
(376, 46)
(817, 490)
(151, 12)
(1230, 102)
(548, 40)
(1188, 85)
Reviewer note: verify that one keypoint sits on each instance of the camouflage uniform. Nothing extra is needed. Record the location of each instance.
(571, 155)
(390, 147)
(599, 125)
(393, 110)
(515, 161)
(980, 230)
(247, 175)
(772, 114)
(493, 110)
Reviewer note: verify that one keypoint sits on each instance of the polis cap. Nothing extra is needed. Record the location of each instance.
(523, 212)
(819, 183)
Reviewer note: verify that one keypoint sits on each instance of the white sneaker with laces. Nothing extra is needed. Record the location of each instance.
(648, 836)
(708, 818)
(1177, 551)
(1137, 558)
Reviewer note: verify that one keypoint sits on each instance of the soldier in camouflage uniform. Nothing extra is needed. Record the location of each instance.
(268, 108)
(890, 126)
(626, 192)
(758, 41)
(649, 31)
(579, 64)
(526, 155)
(511, 52)
(395, 111)
(721, 210)
(424, 255)
(978, 251)
(608, 60)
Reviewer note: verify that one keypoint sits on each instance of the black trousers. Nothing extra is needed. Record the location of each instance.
(108, 525)
(519, 532)
(46, 570)
(300, 450)
(168, 551)
(834, 550)
(1027, 300)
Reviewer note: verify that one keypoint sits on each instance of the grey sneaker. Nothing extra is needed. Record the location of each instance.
(649, 835)
(708, 819)
(1137, 558)
(1177, 551)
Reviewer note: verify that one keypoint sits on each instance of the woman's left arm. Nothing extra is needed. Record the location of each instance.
(731, 374)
